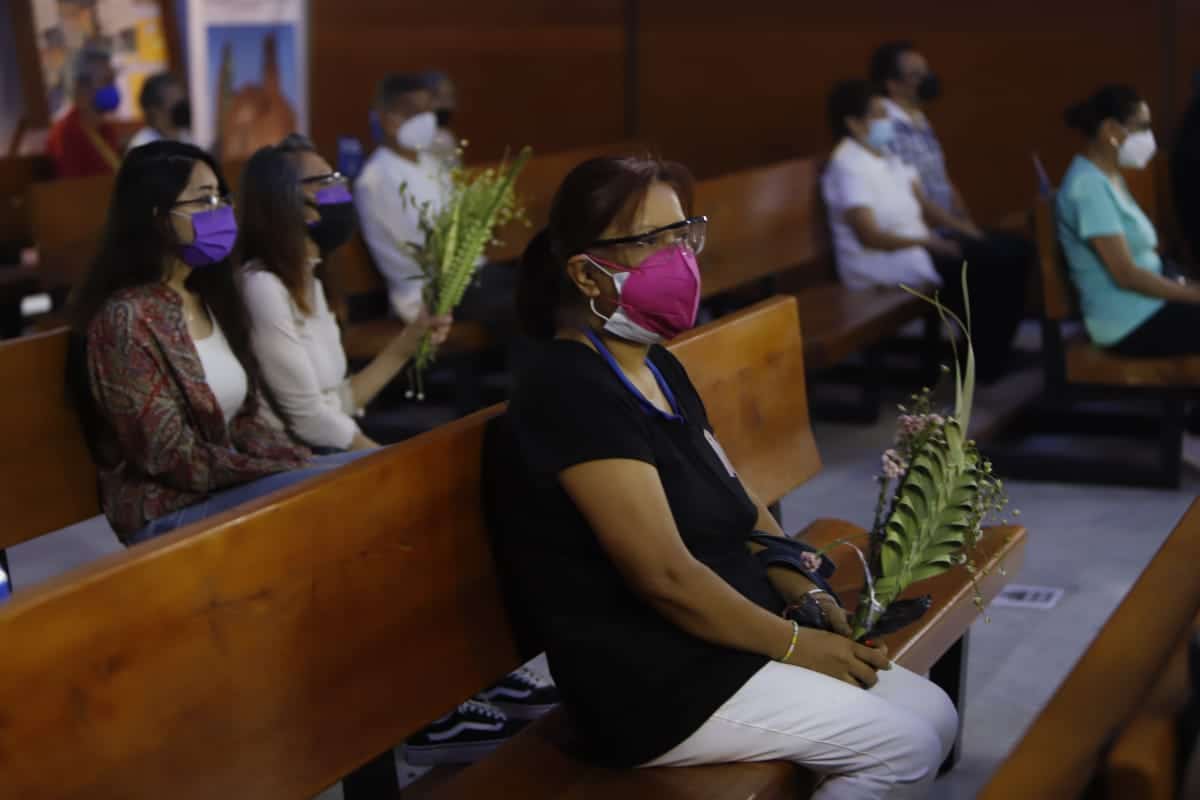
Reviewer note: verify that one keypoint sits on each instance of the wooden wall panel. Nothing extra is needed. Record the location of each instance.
(722, 90)
(546, 73)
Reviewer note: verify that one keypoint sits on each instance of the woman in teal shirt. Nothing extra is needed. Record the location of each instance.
(1129, 304)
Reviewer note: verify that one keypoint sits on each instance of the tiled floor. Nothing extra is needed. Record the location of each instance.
(1092, 541)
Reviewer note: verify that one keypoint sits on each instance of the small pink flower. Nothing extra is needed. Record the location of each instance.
(810, 561)
(893, 464)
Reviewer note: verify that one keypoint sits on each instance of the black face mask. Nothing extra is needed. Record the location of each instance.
(336, 225)
(181, 114)
(443, 117)
(929, 89)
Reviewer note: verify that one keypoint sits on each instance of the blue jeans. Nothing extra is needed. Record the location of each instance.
(223, 501)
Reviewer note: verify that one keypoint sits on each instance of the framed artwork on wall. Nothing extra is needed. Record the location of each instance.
(140, 34)
(247, 70)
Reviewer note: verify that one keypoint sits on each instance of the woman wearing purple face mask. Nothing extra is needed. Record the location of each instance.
(295, 211)
(627, 533)
(168, 389)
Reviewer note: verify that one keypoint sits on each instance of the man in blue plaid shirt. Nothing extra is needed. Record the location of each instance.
(998, 262)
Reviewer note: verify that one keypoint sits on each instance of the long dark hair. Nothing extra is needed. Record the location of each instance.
(271, 227)
(139, 241)
(595, 194)
(1112, 101)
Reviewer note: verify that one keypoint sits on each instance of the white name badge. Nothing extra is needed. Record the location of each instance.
(712, 440)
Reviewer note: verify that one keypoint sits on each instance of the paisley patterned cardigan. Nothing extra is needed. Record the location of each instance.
(162, 442)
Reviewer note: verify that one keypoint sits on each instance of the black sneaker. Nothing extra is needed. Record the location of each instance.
(523, 694)
(469, 733)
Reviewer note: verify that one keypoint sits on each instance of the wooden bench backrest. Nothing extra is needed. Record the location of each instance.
(536, 186)
(1059, 753)
(268, 651)
(48, 477)
(1058, 297)
(749, 368)
(68, 219)
(761, 222)
(17, 174)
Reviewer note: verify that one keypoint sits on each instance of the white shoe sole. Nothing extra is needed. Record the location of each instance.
(435, 755)
(522, 711)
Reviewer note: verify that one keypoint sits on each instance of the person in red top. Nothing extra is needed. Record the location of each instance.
(82, 143)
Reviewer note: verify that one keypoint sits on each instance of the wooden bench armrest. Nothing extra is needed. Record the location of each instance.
(1058, 755)
(918, 647)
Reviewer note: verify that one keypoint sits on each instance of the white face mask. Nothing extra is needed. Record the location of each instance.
(417, 132)
(1137, 150)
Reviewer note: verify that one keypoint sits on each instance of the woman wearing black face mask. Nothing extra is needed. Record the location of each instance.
(294, 211)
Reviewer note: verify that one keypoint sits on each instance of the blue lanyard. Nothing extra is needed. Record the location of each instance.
(650, 408)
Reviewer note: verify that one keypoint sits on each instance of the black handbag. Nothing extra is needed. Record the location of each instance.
(779, 551)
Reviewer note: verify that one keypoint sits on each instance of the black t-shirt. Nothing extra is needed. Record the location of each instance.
(635, 684)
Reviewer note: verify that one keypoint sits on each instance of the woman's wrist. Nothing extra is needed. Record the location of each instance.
(791, 648)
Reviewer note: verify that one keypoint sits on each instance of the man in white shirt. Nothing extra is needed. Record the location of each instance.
(165, 110)
(389, 216)
(887, 231)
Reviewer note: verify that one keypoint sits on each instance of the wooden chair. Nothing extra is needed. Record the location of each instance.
(1079, 375)
(1080, 745)
(272, 649)
(771, 220)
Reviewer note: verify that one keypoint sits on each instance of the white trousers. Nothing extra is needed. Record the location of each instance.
(886, 742)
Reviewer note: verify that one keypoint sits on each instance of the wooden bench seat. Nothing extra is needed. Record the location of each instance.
(364, 340)
(538, 763)
(272, 649)
(1087, 364)
(838, 322)
(1063, 753)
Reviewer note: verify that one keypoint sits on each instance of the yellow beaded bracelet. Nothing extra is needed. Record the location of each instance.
(792, 646)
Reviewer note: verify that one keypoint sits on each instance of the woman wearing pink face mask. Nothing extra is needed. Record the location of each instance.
(164, 378)
(646, 566)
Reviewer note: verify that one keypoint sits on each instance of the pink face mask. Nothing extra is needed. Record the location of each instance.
(655, 301)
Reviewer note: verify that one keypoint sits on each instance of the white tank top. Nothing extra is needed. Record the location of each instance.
(222, 371)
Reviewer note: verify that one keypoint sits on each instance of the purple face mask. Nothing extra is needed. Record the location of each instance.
(332, 195)
(215, 233)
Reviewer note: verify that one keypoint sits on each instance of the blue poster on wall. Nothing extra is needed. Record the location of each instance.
(248, 69)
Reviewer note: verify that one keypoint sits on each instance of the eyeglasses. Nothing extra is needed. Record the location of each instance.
(327, 179)
(691, 231)
(207, 201)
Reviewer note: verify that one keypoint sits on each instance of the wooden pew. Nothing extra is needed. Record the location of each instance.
(770, 220)
(68, 219)
(270, 650)
(1063, 753)
(45, 464)
(1076, 372)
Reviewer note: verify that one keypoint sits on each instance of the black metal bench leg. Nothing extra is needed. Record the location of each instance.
(950, 673)
(1171, 441)
(872, 389)
(375, 780)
